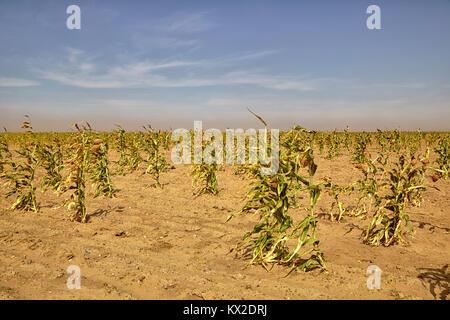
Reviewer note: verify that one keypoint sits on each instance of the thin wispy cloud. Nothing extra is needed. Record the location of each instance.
(186, 23)
(400, 85)
(136, 77)
(177, 43)
(73, 54)
(230, 59)
(17, 82)
(146, 74)
(180, 30)
(267, 81)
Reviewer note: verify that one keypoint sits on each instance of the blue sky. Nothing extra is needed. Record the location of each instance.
(168, 63)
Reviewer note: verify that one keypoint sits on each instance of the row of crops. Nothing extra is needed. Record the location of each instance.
(393, 166)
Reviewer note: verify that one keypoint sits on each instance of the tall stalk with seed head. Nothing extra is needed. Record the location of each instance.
(79, 167)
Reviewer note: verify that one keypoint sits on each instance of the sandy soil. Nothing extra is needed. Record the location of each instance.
(163, 244)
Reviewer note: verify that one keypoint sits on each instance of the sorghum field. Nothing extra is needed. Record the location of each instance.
(141, 227)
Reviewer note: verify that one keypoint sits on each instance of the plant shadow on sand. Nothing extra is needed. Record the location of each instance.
(438, 281)
(103, 212)
(431, 227)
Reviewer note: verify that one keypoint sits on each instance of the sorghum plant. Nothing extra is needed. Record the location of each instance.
(403, 187)
(52, 161)
(78, 171)
(99, 171)
(156, 163)
(21, 177)
(268, 198)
